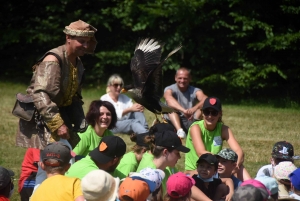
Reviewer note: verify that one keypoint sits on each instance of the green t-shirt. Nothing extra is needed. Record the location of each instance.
(147, 161)
(81, 168)
(89, 140)
(127, 164)
(212, 141)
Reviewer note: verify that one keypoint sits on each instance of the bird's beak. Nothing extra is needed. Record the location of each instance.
(123, 90)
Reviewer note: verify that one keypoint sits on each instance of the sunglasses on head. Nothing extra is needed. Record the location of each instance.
(116, 85)
(210, 112)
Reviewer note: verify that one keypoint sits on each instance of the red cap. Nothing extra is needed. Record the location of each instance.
(179, 185)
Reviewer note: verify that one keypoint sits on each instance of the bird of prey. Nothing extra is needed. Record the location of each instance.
(146, 69)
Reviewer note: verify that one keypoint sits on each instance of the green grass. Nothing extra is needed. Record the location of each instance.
(256, 128)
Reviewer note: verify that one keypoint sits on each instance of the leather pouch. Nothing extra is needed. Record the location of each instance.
(24, 107)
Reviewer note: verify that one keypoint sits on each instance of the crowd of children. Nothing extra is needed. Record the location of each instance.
(105, 172)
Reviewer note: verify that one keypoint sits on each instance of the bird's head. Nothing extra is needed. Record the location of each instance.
(127, 88)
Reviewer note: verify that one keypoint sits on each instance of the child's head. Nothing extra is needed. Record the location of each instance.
(247, 192)
(295, 180)
(282, 172)
(179, 187)
(207, 165)
(133, 189)
(140, 146)
(260, 186)
(227, 162)
(282, 151)
(56, 157)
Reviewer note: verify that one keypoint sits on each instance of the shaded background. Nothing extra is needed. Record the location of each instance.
(237, 49)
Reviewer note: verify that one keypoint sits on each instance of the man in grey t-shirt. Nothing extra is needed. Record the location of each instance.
(186, 99)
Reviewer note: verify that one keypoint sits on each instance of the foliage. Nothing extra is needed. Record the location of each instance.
(235, 48)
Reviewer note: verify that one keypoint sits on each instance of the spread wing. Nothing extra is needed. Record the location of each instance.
(146, 57)
(153, 84)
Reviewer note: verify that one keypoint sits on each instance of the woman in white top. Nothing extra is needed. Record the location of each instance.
(130, 115)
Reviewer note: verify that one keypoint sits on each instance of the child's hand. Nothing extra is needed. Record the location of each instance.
(229, 196)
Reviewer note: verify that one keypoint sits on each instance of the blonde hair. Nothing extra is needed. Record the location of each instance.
(115, 78)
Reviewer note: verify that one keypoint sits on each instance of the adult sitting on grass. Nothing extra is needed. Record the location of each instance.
(130, 161)
(101, 117)
(55, 161)
(131, 118)
(207, 136)
(106, 156)
(282, 151)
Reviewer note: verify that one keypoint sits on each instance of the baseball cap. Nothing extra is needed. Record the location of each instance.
(212, 102)
(136, 189)
(5, 177)
(58, 151)
(270, 183)
(209, 158)
(283, 169)
(260, 186)
(170, 139)
(295, 178)
(247, 193)
(99, 185)
(179, 185)
(109, 148)
(153, 177)
(283, 150)
(228, 154)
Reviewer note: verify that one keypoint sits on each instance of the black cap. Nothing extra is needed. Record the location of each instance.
(283, 150)
(209, 158)
(109, 148)
(160, 127)
(212, 102)
(171, 140)
(57, 151)
(5, 177)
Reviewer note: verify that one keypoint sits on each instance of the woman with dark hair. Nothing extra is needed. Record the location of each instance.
(101, 117)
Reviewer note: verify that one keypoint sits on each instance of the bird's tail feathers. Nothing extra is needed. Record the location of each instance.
(148, 45)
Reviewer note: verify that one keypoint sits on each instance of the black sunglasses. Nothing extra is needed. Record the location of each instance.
(210, 112)
(116, 85)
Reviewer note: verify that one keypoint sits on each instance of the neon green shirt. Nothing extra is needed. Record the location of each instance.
(81, 168)
(212, 141)
(89, 140)
(127, 164)
(147, 161)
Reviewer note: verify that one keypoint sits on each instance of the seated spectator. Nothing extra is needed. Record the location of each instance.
(131, 118)
(282, 151)
(6, 184)
(101, 117)
(130, 161)
(99, 185)
(227, 164)
(213, 188)
(186, 99)
(247, 193)
(207, 136)
(295, 184)
(28, 173)
(179, 187)
(271, 184)
(106, 157)
(55, 161)
(281, 174)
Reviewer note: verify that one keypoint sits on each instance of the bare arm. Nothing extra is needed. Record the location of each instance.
(201, 98)
(229, 183)
(80, 198)
(233, 144)
(172, 102)
(134, 108)
(195, 133)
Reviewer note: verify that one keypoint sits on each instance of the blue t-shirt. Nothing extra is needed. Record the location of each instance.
(236, 182)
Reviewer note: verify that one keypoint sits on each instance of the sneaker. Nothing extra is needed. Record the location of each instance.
(181, 133)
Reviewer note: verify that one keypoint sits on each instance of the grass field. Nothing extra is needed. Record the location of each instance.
(256, 128)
